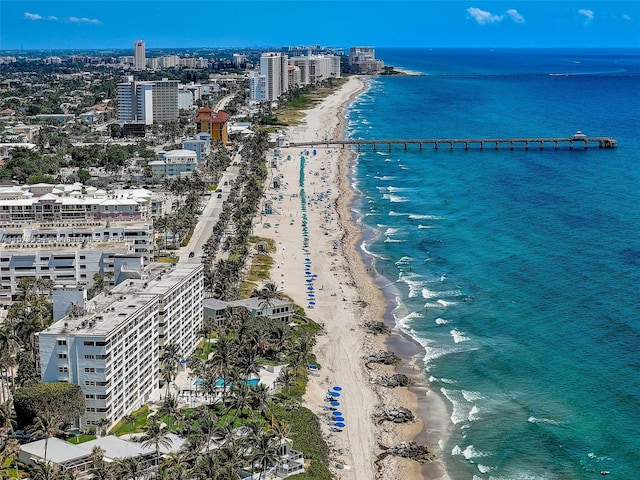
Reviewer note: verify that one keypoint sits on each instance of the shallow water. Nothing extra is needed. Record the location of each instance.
(517, 271)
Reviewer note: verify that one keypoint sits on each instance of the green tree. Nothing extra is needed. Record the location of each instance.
(155, 435)
(63, 400)
(47, 425)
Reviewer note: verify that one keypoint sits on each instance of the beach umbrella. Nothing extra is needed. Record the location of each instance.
(336, 413)
(334, 394)
(315, 275)
(338, 419)
(310, 287)
(336, 388)
(309, 280)
(335, 403)
(307, 259)
(310, 295)
(340, 425)
(312, 303)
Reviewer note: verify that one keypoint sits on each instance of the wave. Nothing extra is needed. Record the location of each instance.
(462, 411)
(398, 214)
(441, 321)
(404, 260)
(543, 420)
(397, 198)
(393, 240)
(390, 230)
(458, 336)
(425, 226)
(439, 304)
(385, 178)
(415, 216)
(414, 285)
(396, 189)
(404, 322)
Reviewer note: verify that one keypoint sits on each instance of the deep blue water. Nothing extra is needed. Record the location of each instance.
(518, 271)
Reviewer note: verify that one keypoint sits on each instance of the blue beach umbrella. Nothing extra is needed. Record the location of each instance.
(335, 403)
(338, 419)
(307, 259)
(340, 425)
(333, 394)
(336, 414)
(310, 287)
(310, 295)
(336, 388)
(309, 280)
(312, 303)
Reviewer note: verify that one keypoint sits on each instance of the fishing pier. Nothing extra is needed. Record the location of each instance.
(575, 141)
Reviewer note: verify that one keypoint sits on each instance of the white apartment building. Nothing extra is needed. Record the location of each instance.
(257, 87)
(174, 163)
(275, 67)
(316, 68)
(148, 102)
(68, 233)
(112, 345)
(139, 55)
(363, 60)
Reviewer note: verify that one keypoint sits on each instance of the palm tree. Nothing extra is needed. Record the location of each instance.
(241, 397)
(48, 425)
(222, 359)
(177, 466)
(170, 409)
(265, 452)
(155, 435)
(259, 397)
(167, 374)
(47, 471)
(130, 468)
(130, 419)
(11, 450)
(207, 466)
(6, 417)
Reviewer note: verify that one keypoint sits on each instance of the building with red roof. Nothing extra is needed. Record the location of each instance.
(213, 123)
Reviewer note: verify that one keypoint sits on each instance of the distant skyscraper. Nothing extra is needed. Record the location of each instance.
(139, 55)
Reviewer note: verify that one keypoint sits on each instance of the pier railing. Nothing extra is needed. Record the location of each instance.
(466, 143)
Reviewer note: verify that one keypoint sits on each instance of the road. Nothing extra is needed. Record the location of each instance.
(210, 215)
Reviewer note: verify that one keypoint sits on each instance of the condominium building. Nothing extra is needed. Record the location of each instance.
(316, 68)
(111, 347)
(174, 163)
(275, 67)
(363, 60)
(68, 233)
(148, 102)
(139, 55)
(257, 87)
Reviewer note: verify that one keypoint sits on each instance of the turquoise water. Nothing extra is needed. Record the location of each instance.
(219, 382)
(517, 271)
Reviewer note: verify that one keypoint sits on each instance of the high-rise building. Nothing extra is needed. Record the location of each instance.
(257, 87)
(139, 55)
(275, 67)
(363, 60)
(148, 102)
(111, 346)
(315, 68)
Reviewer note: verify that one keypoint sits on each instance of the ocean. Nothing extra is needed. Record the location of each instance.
(518, 272)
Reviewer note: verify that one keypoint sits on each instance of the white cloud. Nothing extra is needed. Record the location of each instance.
(588, 14)
(515, 15)
(83, 20)
(53, 18)
(483, 17)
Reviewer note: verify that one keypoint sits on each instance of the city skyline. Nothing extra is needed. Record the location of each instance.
(115, 24)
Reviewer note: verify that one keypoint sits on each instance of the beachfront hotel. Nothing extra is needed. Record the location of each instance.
(275, 68)
(111, 345)
(68, 233)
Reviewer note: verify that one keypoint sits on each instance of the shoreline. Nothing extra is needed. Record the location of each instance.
(320, 200)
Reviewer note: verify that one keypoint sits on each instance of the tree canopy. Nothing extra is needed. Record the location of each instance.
(64, 400)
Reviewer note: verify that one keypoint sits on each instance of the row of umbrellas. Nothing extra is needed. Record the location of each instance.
(336, 417)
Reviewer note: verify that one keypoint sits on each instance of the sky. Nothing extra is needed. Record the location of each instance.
(116, 24)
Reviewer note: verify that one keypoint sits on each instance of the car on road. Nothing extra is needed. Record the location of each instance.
(219, 195)
(192, 254)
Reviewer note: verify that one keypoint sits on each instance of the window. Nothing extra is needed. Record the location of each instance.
(101, 344)
(63, 369)
(62, 355)
(90, 370)
(88, 343)
(89, 357)
(62, 342)
(89, 383)
(89, 396)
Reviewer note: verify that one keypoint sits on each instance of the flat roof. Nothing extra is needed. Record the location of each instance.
(106, 311)
(253, 303)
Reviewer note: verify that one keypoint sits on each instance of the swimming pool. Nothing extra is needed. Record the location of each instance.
(219, 382)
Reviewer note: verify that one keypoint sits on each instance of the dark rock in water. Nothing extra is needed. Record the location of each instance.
(378, 328)
(412, 450)
(395, 415)
(394, 380)
(384, 357)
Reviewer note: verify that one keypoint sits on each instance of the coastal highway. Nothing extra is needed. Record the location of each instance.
(209, 218)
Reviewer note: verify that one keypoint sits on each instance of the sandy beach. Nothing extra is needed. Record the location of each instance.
(342, 295)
